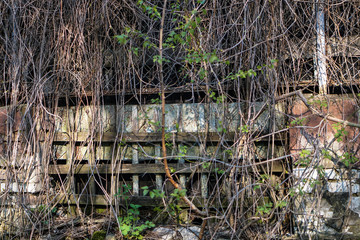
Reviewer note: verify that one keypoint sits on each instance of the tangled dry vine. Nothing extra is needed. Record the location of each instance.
(242, 62)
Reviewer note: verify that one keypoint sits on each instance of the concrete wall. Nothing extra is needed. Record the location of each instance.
(326, 175)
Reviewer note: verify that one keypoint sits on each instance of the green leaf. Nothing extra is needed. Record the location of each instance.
(54, 210)
(122, 39)
(135, 206)
(193, 12)
(198, 20)
(251, 73)
(213, 58)
(135, 51)
(152, 194)
(242, 74)
(281, 204)
(145, 192)
(125, 229)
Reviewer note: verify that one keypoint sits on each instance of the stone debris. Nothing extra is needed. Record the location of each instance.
(110, 237)
(164, 233)
(190, 233)
(183, 233)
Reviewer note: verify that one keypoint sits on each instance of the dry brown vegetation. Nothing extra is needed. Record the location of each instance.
(64, 53)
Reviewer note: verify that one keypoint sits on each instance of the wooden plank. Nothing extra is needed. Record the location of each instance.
(158, 177)
(204, 185)
(135, 177)
(335, 47)
(92, 184)
(182, 161)
(129, 93)
(125, 168)
(145, 168)
(132, 137)
(11, 199)
(148, 137)
(101, 200)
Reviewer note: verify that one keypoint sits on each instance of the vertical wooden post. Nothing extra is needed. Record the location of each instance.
(35, 183)
(134, 119)
(114, 179)
(204, 185)
(91, 159)
(69, 162)
(158, 177)
(204, 176)
(70, 148)
(135, 177)
(182, 176)
(135, 153)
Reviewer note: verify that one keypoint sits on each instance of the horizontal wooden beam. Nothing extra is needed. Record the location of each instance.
(137, 137)
(102, 200)
(148, 168)
(148, 137)
(124, 168)
(336, 46)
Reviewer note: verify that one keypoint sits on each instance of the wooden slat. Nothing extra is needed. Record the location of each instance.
(125, 168)
(147, 137)
(101, 200)
(144, 168)
(10, 200)
(336, 47)
(158, 178)
(135, 177)
(133, 137)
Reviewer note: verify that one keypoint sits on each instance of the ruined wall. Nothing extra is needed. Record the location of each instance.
(110, 137)
(326, 175)
(112, 141)
(98, 149)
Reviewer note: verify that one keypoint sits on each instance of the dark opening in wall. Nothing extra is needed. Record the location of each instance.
(299, 19)
(344, 70)
(343, 19)
(102, 183)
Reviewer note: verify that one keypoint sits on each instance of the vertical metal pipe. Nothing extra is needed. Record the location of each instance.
(320, 53)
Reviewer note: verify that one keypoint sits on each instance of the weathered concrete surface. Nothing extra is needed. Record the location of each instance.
(192, 117)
